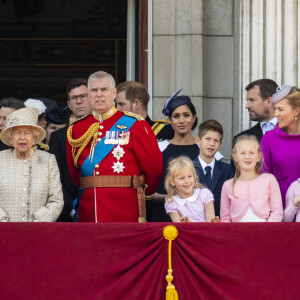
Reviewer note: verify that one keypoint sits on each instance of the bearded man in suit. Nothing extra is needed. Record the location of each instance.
(260, 107)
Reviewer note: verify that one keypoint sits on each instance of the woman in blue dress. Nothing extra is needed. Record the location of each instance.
(182, 115)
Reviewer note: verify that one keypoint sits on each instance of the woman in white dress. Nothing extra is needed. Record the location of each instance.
(30, 188)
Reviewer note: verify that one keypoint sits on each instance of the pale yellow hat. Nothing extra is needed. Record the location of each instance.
(27, 116)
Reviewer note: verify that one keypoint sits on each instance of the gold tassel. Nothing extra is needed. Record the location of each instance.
(170, 233)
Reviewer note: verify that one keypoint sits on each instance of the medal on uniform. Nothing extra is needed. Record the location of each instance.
(122, 127)
(106, 142)
(127, 137)
(118, 167)
(123, 138)
(118, 137)
(118, 152)
(112, 138)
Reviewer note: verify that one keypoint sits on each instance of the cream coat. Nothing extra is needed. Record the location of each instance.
(30, 190)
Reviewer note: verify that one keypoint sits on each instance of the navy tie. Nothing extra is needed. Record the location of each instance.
(208, 175)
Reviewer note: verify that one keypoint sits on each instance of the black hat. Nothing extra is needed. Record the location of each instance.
(173, 102)
(59, 115)
(49, 103)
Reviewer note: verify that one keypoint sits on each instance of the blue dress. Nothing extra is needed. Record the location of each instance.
(169, 151)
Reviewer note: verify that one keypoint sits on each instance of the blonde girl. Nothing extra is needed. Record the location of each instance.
(250, 196)
(187, 200)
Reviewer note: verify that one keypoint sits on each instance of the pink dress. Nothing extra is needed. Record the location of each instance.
(193, 206)
(290, 210)
(261, 195)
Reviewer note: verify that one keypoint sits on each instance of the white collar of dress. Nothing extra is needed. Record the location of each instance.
(182, 201)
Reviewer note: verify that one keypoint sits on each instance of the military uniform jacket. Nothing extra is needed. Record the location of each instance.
(166, 132)
(140, 156)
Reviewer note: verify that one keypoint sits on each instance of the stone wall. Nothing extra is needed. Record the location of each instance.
(193, 49)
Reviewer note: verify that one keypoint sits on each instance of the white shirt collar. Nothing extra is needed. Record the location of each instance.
(192, 198)
(204, 164)
(163, 145)
(273, 121)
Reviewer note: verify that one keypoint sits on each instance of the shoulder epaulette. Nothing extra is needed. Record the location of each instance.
(159, 125)
(162, 121)
(131, 114)
(85, 116)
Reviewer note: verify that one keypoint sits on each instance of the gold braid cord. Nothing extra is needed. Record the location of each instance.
(170, 233)
(83, 141)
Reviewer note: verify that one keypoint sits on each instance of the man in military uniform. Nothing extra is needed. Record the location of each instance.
(111, 155)
(133, 96)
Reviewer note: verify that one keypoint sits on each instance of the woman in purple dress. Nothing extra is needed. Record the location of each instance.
(281, 146)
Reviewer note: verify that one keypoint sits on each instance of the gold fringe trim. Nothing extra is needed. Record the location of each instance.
(142, 220)
(170, 233)
(157, 128)
(83, 141)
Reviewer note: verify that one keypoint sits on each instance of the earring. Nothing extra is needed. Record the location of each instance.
(296, 118)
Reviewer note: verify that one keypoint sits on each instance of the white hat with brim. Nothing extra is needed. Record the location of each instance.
(27, 116)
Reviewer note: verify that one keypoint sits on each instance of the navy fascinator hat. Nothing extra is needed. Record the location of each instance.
(59, 115)
(175, 101)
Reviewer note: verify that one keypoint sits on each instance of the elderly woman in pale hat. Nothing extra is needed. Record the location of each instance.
(281, 146)
(30, 188)
(43, 105)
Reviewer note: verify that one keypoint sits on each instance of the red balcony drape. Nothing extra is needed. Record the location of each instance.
(129, 261)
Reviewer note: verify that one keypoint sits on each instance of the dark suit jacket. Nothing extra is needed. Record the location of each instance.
(57, 146)
(221, 173)
(3, 146)
(255, 130)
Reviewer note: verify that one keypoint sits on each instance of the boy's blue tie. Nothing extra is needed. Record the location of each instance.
(208, 175)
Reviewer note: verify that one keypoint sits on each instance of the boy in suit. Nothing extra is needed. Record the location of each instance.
(211, 172)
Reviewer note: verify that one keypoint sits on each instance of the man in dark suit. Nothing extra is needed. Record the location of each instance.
(260, 107)
(133, 96)
(80, 106)
(211, 172)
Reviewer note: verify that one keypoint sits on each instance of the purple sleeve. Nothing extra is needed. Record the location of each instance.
(267, 157)
(171, 207)
(206, 196)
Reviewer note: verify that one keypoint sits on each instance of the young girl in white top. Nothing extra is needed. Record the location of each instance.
(187, 200)
(292, 200)
(250, 196)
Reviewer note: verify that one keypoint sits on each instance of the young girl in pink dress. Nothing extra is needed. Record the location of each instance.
(292, 201)
(250, 196)
(187, 200)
